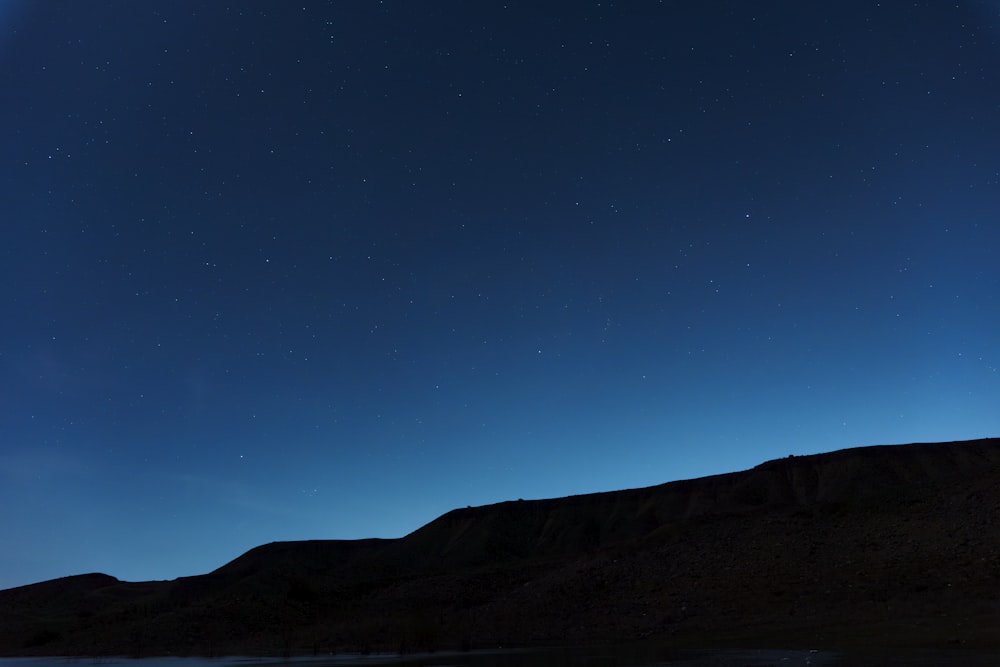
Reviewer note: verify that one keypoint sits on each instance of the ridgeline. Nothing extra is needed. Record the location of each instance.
(873, 546)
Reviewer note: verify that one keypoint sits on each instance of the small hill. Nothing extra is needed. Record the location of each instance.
(872, 546)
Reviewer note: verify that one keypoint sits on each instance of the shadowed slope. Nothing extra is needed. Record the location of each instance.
(560, 527)
(870, 545)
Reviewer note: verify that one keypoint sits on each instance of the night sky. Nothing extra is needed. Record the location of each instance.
(309, 270)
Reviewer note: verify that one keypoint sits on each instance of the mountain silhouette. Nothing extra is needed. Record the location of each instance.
(872, 546)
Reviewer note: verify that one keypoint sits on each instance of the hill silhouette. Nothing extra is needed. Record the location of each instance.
(871, 546)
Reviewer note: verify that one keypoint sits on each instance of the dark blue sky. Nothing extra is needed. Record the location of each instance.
(327, 270)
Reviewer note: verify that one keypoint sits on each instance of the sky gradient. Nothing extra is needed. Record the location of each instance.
(282, 271)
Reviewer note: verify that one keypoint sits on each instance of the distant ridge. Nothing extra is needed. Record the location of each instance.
(881, 545)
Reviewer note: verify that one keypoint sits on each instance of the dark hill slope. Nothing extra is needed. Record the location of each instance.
(578, 524)
(874, 545)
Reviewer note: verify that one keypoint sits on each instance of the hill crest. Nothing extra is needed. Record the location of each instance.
(791, 547)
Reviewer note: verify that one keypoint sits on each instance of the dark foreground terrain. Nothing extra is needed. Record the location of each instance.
(870, 547)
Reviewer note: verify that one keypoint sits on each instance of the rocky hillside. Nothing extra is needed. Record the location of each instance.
(869, 546)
